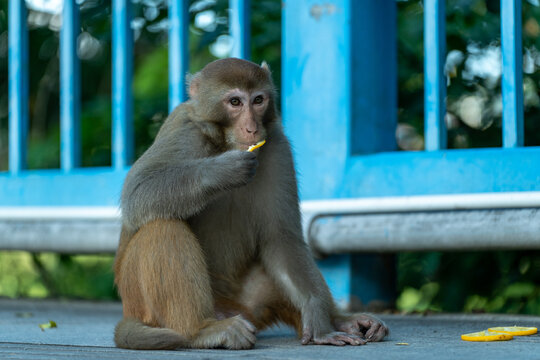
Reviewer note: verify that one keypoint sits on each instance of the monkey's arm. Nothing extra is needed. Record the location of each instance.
(289, 262)
(284, 254)
(177, 177)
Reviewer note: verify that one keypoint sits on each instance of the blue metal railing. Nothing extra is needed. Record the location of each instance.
(435, 82)
(122, 63)
(18, 86)
(240, 16)
(512, 76)
(70, 89)
(122, 68)
(178, 52)
(330, 97)
(339, 106)
(72, 184)
(325, 47)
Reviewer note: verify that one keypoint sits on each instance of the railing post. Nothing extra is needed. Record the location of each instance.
(18, 86)
(122, 69)
(178, 51)
(374, 77)
(434, 78)
(70, 137)
(239, 24)
(512, 76)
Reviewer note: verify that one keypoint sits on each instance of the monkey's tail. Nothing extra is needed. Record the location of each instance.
(133, 334)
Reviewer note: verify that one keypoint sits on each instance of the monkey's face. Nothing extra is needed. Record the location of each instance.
(245, 111)
(236, 95)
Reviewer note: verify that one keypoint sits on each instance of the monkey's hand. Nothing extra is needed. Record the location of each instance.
(238, 167)
(318, 329)
(337, 338)
(363, 325)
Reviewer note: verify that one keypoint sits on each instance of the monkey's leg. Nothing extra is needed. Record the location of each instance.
(163, 281)
(290, 265)
(264, 304)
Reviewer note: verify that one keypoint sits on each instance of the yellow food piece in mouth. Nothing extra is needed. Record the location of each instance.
(256, 146)
(486, 336)
(514, 330)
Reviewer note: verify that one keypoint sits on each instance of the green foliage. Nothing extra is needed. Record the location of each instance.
(54, 275)
(506, 282)
(472, 32)
(18, 276)
(421, 299)
(148, 82)
(96, 130)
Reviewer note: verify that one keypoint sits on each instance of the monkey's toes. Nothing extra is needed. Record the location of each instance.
(240, 334)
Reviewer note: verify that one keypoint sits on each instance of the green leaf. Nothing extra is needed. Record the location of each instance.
(49, 325)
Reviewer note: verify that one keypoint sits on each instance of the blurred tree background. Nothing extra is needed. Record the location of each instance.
(480, 281)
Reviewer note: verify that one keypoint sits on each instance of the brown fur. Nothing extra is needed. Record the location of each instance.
(211, 248)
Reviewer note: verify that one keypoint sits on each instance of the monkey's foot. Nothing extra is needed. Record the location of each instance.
(337, 338)
(235, 333)
(364, 325)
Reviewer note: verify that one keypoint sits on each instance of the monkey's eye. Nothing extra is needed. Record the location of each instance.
(258, 99)
(235, 101)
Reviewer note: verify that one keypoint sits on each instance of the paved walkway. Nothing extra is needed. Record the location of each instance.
(85, 332)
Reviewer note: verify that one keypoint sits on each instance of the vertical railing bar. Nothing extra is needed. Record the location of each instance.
(434, 79)
(122, 70)
(70, 138)
(512, 75)
(178, 51)
(239, 27)
(18, 86)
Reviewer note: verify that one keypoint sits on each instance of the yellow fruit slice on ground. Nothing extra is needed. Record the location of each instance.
(486, 336)
(514, 330)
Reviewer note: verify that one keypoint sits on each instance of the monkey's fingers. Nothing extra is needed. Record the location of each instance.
(364, 320)
(376, 332)
(351, 327)
(363, 324)
(339, 339)
(248, 332)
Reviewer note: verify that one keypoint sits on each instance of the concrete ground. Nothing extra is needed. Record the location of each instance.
(84, 331)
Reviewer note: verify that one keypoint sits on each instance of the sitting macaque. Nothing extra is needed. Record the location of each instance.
(211, 248)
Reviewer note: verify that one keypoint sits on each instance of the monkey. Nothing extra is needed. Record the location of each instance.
(211, 249)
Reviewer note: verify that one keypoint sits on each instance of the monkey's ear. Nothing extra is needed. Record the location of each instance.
(265, 67)
(193, 82)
